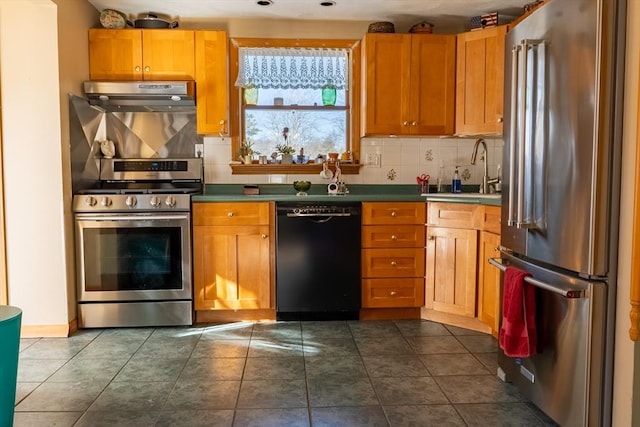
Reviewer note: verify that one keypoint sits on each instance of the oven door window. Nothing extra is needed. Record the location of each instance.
(132, 258)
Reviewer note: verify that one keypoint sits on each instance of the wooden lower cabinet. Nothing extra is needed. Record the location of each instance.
(232, 263)
(393, 293)
(402, 262)
(489, 297)
(450, 281)
(392, 255)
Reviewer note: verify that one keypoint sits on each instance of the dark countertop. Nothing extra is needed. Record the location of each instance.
(357, 193)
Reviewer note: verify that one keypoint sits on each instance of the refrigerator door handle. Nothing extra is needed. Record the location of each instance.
(525, 217)
(522, 127)
(515, 52)
(565, 292)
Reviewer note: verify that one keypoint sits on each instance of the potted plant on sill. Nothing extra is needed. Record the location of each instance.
(246, 152)
(286, 152)
(285, 149)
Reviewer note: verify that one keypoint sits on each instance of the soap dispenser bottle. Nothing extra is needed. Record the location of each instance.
(456, 184)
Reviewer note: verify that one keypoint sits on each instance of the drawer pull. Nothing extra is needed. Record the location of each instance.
(394, 237)
(393, 293)
(264, 236)
(230, 214)
(393, 213)
(393, 263)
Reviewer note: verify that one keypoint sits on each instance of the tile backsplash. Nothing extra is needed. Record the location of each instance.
(385, 160)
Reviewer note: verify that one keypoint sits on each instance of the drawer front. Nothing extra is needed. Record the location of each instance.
(393, 236)
(231, 213)
(384, 213)
(393, 262)
(492, 219)
(456, 215)
(392, 293)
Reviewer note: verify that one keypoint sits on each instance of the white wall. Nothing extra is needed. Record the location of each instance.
(74, 20)
(32, 162)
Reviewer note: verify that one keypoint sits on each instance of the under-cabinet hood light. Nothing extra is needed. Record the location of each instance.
(264, 2)
(328, 3)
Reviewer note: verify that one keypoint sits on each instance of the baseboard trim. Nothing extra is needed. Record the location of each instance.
(45, 331)
(389, 313)
(234, 315)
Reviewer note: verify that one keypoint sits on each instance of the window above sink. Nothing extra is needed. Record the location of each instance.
(266, 105)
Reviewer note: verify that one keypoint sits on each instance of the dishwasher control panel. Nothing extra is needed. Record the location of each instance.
(337, 209)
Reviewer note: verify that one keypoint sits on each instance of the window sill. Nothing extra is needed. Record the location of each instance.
(291, 169)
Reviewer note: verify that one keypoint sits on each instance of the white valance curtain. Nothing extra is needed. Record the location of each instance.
(292, 68)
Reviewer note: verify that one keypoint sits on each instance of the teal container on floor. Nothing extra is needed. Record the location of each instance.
(10, 318)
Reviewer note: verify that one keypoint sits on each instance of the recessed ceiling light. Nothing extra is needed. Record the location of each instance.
(328, 3)
(264, 2)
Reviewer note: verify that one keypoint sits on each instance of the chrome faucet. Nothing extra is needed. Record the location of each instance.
(486, 181)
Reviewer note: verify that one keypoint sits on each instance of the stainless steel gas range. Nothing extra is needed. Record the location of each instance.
(133, 243)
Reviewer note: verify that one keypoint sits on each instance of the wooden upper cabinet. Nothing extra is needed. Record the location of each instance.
(211, 53)
(480, 81)
(168, 54)
(409, 84)
(134, 54)
(115, 54)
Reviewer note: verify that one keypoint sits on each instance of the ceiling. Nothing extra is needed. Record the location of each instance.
(403, 13)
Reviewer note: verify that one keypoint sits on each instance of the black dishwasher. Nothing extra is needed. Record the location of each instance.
(318, 261)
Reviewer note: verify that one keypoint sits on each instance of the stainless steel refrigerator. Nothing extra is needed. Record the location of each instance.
(563, 99)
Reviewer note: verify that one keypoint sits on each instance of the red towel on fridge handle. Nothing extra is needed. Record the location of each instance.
(518, 337)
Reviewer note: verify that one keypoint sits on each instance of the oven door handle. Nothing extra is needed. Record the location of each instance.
(137, 217)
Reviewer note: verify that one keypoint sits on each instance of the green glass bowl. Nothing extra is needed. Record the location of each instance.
(302, 187)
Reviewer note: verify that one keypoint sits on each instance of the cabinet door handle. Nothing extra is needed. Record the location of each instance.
(393, 214)
(405, 123)
(230, 214)
(414, 123)
(392, 293)
(264, 236)
(147, 68)
(393, 263)
(394, 237)
(500, 119)
(137, 68)
(431, 238)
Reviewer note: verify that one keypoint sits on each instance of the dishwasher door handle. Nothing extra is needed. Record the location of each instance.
(327, 215)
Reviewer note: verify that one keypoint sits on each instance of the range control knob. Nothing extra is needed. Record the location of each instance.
(90, 201)
(106, 202)
(171, 201)
(155, 201)
(131, 201)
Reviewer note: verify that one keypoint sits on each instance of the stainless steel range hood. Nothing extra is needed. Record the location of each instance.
(141, 95)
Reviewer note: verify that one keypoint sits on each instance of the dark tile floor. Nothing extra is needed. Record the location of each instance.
(373, 373)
